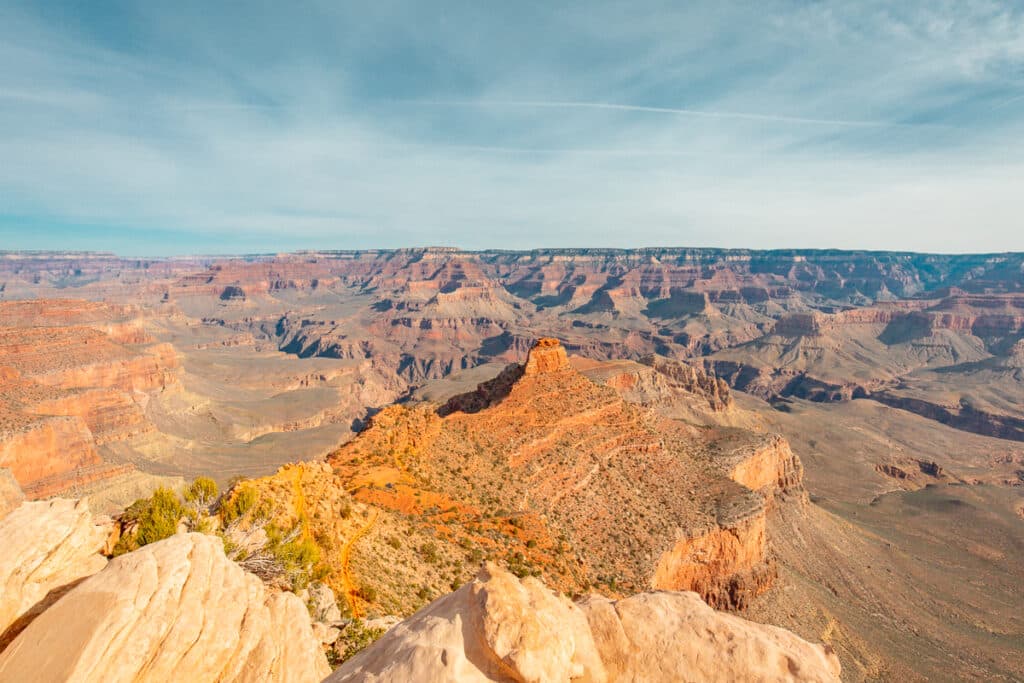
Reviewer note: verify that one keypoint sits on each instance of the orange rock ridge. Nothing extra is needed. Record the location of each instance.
(607, 476)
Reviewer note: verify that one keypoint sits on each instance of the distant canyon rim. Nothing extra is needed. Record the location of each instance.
(827, 441)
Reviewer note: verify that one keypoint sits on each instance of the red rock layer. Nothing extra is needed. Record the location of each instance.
(71, 370)
(48, 447)
(110, 414)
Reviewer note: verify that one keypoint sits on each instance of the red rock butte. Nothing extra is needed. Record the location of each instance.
(547, 355)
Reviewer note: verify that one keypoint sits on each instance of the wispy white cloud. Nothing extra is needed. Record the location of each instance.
(676, 111)
(825, 124)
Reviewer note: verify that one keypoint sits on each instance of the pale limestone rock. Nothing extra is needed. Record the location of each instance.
(11, 495)
(497, 628)
(173, 610)
(322, 604)
(45, 548)
(325, 634)
(673, 636)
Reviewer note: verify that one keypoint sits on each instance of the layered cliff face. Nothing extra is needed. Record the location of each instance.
(47, 447)
(109, 414)
(434, 311)
(67, 389)
(951, 360)
(826, 326)
(655, 272)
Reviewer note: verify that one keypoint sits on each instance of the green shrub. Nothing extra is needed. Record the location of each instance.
(296, 554)
(429, 552)
(154, 519)
(354, 638)
(135, 511)
(125, 544)
(159, 519)
(202, 493)
(241, 503)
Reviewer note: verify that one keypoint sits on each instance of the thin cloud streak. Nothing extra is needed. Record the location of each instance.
(746, 116)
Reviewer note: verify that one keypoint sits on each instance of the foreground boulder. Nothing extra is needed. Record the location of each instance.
(46, 547)
(673, 636)
(497, 628)
(173, 610)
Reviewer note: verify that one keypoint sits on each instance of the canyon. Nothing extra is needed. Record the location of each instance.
(180, 608)
(805, 438)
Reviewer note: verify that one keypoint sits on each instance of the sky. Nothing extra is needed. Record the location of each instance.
(156, 128)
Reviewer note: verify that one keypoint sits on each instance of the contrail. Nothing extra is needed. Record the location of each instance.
(703, 113)
(1009, 101)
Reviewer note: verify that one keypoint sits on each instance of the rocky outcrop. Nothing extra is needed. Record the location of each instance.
(177, 609)
(770, 467)
(728, 565)
(47, 548)
(670, 636)
(547, 355)
(693, 380)
(581, 486)
(497, 628)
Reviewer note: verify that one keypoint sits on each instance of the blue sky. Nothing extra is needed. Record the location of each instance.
(197, 127)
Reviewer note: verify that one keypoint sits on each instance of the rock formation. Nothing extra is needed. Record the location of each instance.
(558, 475)
(497, 628)
(73, 376)
(177, 609)
(547, 355)
(48, 547)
